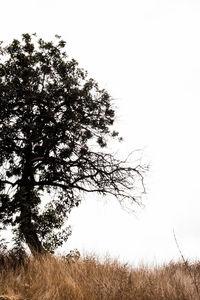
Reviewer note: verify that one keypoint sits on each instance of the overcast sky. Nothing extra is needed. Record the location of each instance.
(146, 53)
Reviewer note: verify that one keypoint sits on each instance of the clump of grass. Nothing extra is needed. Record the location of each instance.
(59, 278)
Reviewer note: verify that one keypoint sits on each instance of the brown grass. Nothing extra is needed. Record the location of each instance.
(49, 277)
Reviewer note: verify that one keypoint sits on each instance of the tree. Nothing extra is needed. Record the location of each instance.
(54, 125)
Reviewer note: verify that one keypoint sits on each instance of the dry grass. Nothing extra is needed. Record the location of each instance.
(55, 278)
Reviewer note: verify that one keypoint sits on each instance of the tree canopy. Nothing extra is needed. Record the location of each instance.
(54, 126)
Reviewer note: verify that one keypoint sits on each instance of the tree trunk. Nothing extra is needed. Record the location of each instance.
(26, 225)
(25, 200)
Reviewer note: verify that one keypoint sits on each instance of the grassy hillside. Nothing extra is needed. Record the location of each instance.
(55, 278)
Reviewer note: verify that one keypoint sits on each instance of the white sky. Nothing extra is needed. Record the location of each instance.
(147, 55)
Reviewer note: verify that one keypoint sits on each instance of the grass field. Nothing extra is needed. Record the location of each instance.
(56, 278)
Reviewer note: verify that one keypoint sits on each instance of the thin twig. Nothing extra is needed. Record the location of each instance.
(194, 281)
